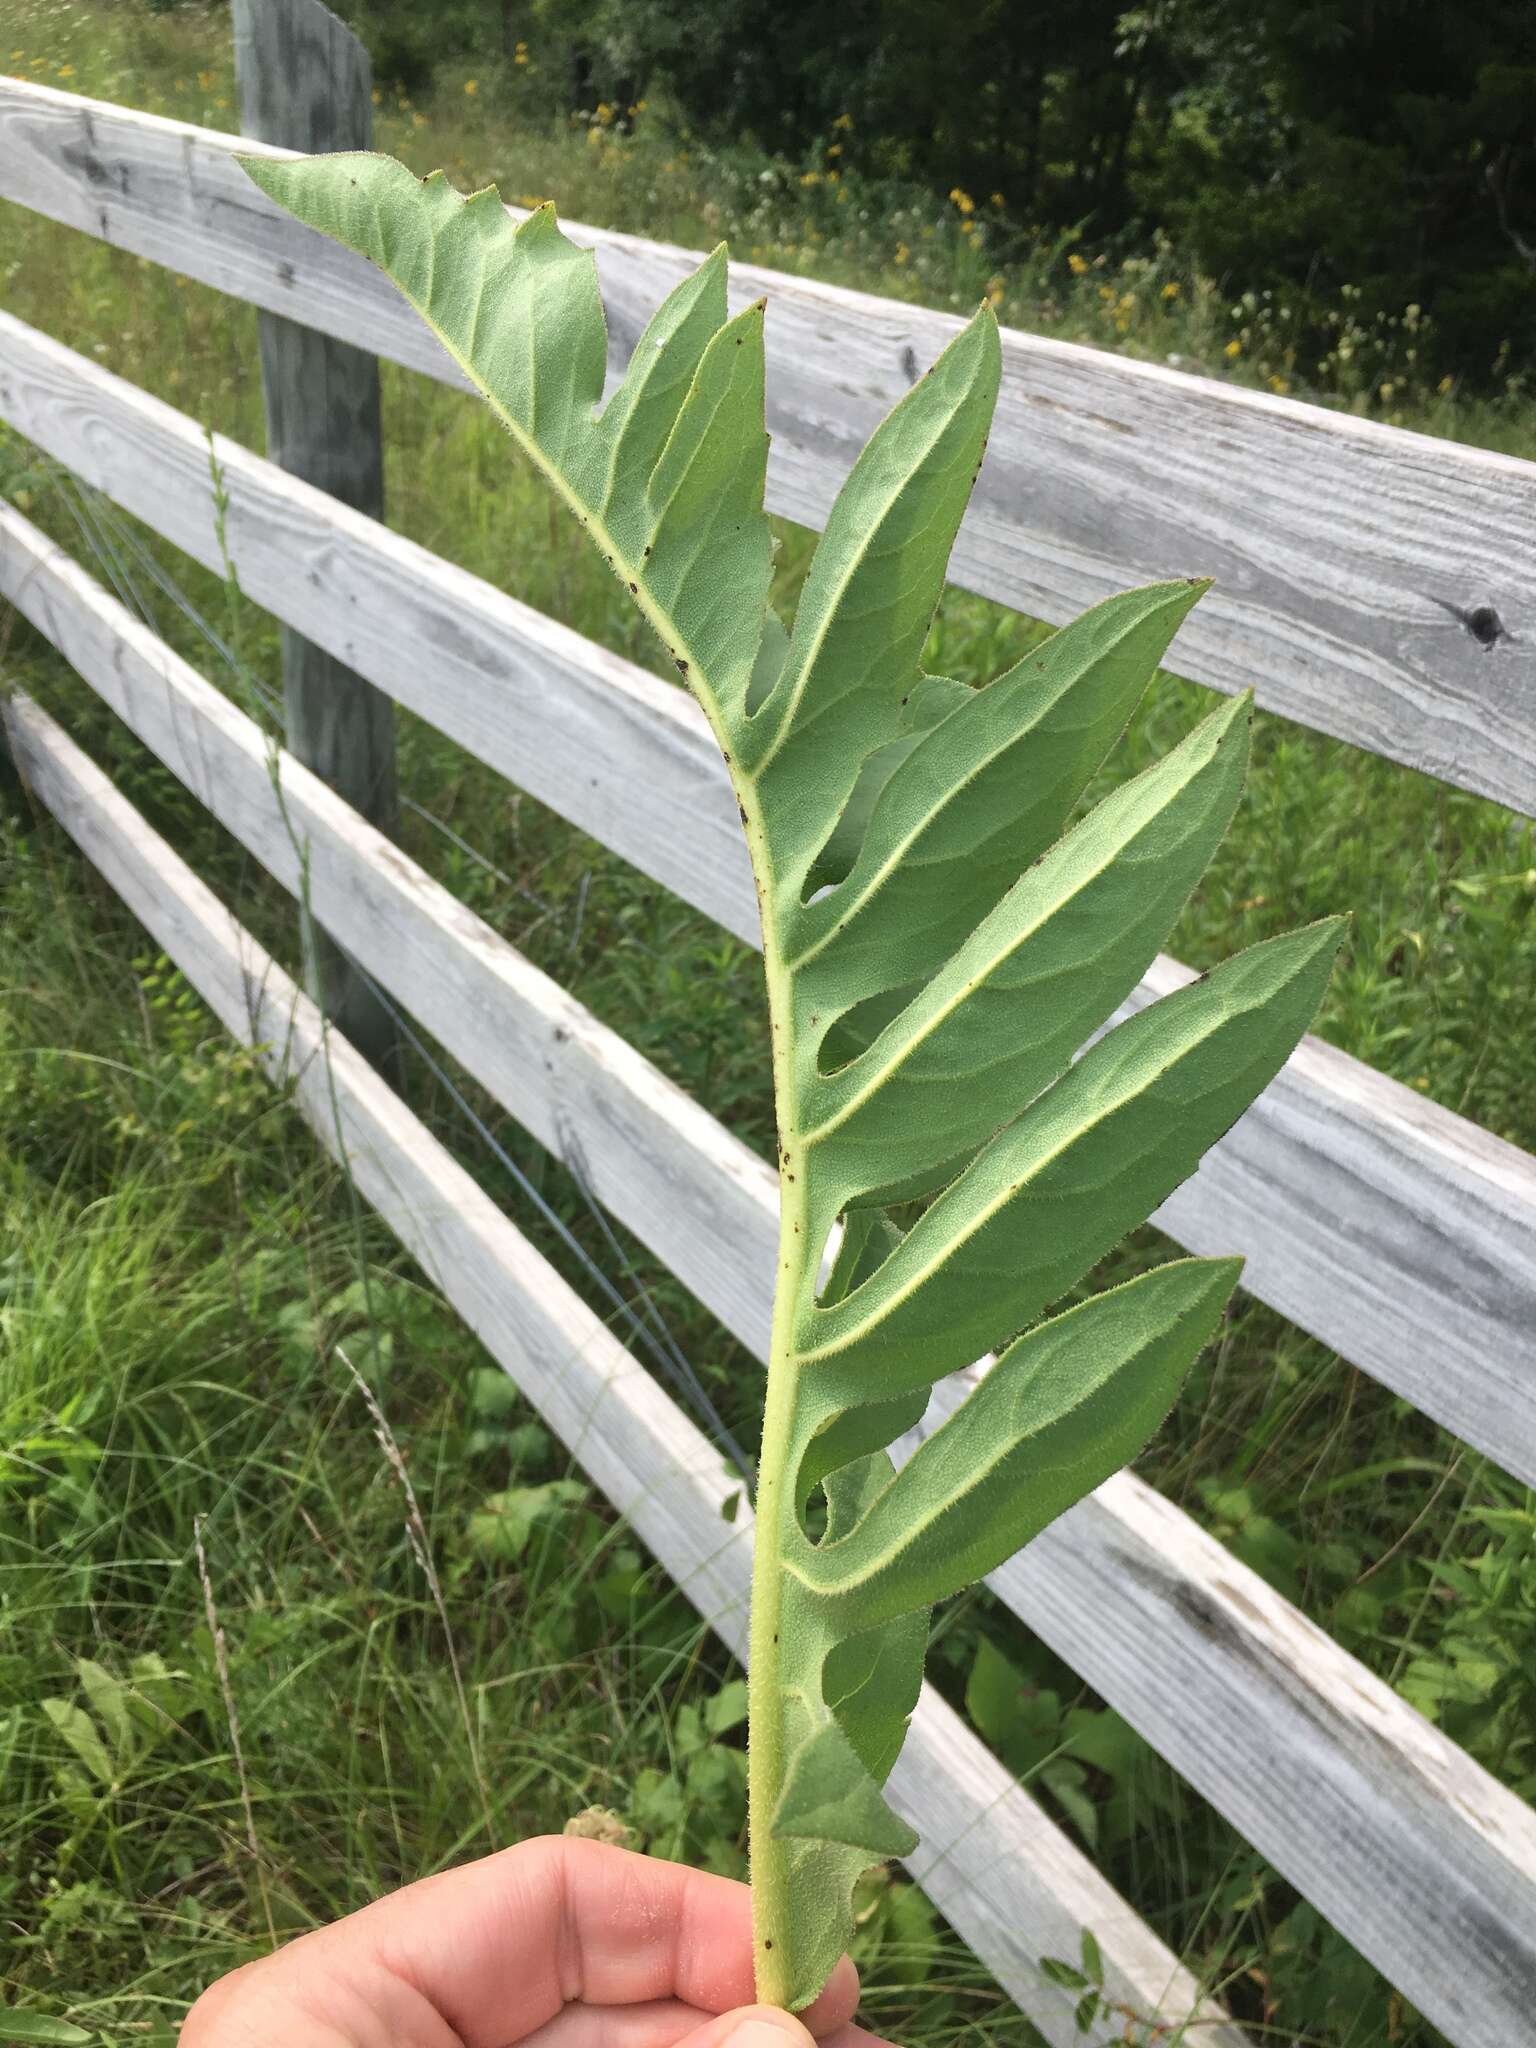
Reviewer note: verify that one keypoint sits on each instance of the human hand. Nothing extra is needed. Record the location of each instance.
(555, 1943)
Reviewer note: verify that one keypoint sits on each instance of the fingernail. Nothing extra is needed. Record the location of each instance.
(764, 2034)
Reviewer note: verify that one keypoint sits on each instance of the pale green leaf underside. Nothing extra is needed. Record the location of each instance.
(1061, 1410)
(939, 948)
(668, 480)
(828, 1796)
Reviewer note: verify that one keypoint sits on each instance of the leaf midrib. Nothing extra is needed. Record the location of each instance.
(999, 1455)
(593, 518)
(1160, 793)
(1132, 1086)
(832, 608)
(841, 915)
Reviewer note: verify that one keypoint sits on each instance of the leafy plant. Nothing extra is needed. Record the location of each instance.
(940, 940)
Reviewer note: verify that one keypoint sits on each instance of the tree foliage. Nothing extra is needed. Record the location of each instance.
(1387, 146)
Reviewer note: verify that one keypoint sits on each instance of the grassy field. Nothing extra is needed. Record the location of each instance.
(189, 1296)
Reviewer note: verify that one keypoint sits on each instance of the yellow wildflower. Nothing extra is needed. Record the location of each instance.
(520, 57)
(962, 200)
(843, 121)
(1442, 389)
(1234, 348)
(471, 86)
(997, 199)
(834, 149)
(1078, 265)
(378, 97)
(1170, 291)
(994, 291)
(903, 253)
(66, 71)
(1280, 386)
(205, 80)
(418, 120)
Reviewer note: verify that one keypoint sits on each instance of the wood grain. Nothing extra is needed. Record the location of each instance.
(999, 1870)
(1351, 558)
(1399, 1234)
(304, 80)
(1414, 1841)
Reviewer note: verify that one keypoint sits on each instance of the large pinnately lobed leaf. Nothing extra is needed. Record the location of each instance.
(944, 930)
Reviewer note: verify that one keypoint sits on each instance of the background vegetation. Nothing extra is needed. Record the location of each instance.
(1386, 145)
(189, 1296)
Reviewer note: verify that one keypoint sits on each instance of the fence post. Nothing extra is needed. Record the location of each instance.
(305, 81)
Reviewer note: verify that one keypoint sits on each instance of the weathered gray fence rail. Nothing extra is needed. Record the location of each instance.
(1400, 1234)
(1347, 555)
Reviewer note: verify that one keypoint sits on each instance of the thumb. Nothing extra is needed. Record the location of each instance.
(751, 2026)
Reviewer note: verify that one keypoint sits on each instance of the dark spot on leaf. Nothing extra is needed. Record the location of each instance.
(635, 589)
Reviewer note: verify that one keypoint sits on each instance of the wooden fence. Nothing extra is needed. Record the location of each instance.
(1374, 584)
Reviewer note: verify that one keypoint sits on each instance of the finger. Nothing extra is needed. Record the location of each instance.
(764, 2026)
(497, 1949)
(668, 2024)
(556, 1922)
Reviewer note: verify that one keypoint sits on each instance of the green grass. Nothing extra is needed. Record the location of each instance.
(179, 1266)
